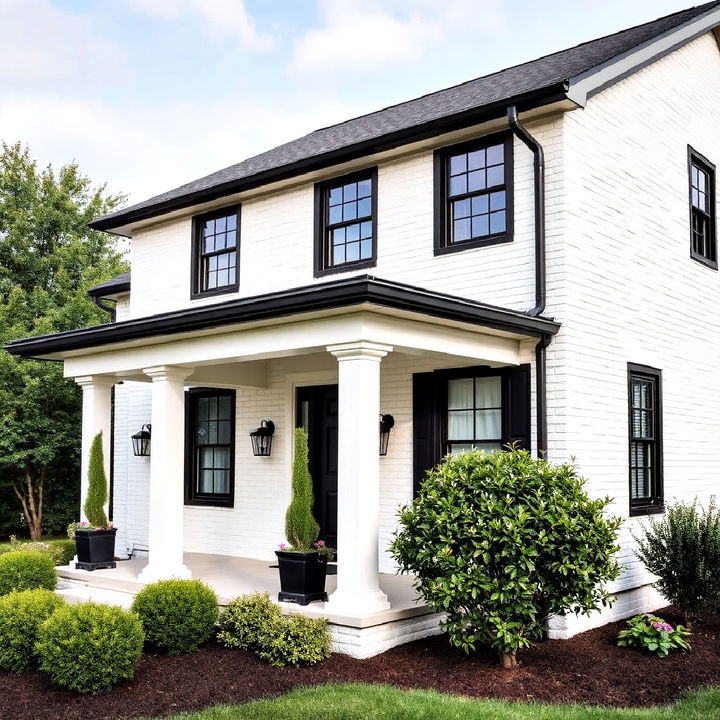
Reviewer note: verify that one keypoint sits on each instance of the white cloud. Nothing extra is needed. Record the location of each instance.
(362, 35)
(224, 18)
(41, 45)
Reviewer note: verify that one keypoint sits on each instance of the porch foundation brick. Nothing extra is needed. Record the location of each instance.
(165, 558)
(358, 591)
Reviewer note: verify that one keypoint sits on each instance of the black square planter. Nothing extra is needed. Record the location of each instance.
(302, 577)
(95, 549)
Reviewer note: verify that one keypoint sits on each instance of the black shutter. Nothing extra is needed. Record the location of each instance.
(426, 442)
(518, 405)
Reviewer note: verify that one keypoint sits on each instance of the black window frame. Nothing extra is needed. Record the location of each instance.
(653, 503)
(192, 494)
(197, 277)
(709, 259)
(442, 232)
(322, 225)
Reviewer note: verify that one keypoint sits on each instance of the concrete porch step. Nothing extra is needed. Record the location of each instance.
(77, 592)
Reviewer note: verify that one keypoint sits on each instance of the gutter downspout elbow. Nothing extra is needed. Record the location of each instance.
(102, 304)
(539, 191)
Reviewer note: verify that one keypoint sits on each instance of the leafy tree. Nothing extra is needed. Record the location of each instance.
(500, 541)
(301, 529)
(48, 260)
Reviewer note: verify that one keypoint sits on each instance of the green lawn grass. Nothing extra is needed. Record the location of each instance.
(376, 702)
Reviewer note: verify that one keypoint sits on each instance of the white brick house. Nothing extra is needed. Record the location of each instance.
(476, 291)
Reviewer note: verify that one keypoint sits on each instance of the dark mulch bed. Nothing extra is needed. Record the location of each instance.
(588, 669)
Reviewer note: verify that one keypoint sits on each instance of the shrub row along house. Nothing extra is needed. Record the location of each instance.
(528, 257)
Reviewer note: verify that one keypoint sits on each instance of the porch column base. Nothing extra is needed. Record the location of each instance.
(357, 604)
(153, 572)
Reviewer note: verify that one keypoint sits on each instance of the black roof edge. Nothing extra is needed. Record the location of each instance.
(119, 284)
(309, 298)
(527, 101)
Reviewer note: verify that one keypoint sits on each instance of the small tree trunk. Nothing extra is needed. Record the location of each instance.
(32, 505)
(508, 660)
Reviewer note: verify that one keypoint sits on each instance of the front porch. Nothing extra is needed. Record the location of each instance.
(360, 636)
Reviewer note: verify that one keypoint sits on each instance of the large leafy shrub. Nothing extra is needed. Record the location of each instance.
(178, 616)
(90, 647)
(97, 491)
(246, 619)
(654, 635)
(59, 550)
(301, 529)
(683, 549)
(21, 614)
(499, 541)
(26, 570)
(294, 640)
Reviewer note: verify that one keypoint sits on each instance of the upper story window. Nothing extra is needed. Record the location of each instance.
(703, 242)
(346, 222)
(215, 252)
(210, 447)
(473, 194)
(645, 437)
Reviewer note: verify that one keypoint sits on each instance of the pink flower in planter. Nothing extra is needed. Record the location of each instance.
(319, 544)
(282, 546)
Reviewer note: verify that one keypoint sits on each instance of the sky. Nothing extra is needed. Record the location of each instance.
(148, 94)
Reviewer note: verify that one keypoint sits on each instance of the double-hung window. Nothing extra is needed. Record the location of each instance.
(215, 252)
(473, 194)
(474, 414)
(703, 241)
(210, 447)
(645, 439)
(346, 222)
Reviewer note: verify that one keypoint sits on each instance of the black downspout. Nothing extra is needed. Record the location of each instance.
(540, 273)
(102, 304)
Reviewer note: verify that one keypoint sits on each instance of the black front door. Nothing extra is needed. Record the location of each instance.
(317, 412)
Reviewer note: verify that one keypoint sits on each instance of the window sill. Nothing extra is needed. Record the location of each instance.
(712, 264)
(641, 510)
(211, 504)
(470, 244)
(347, 267)
(214, 293)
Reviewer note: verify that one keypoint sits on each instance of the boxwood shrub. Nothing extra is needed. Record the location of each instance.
(499, 541)
(246, 619)
(90, 647)
(178, 616)
(26, 570)
(294, 640)
(21, 614)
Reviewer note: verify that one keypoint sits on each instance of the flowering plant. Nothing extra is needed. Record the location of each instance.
(647, 632)
(319, 547)
(85, 525)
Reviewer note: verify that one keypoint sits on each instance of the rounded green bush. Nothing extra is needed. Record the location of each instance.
(21, 614)
(178, 616)
(26, 570)
(295, 640)
(245, 619)
(90, 647)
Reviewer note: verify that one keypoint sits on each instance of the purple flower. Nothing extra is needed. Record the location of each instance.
(662, 626)
(282, 546)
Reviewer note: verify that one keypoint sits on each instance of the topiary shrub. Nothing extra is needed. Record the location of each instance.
(21, 614)
(246, 619)
(499, 541)
(683, 549)
(90, 647)
(301, 529)
(294, 640)
(97, 490)
(26, 570)
(178, 616)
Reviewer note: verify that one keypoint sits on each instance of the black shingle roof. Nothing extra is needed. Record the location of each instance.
(120, 283)
(529, 84)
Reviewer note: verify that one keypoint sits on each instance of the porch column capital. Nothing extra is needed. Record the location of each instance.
(360, 350)
(168, 372)
(95, 381)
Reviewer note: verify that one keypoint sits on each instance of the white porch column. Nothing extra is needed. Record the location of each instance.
(96, 417)
(166, 475)
(358, 591)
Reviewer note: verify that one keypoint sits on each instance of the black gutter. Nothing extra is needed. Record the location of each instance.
(540, 273)
(348, 292)
(544, 96)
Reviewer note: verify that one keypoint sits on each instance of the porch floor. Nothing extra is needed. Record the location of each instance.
(232, 576)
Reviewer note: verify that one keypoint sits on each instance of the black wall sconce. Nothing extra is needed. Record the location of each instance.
(141, 442)
(261, 438)
(387, 423)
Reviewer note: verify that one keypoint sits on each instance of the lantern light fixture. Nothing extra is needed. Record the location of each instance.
(387, 423)
(261, 438)
(141, 441)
